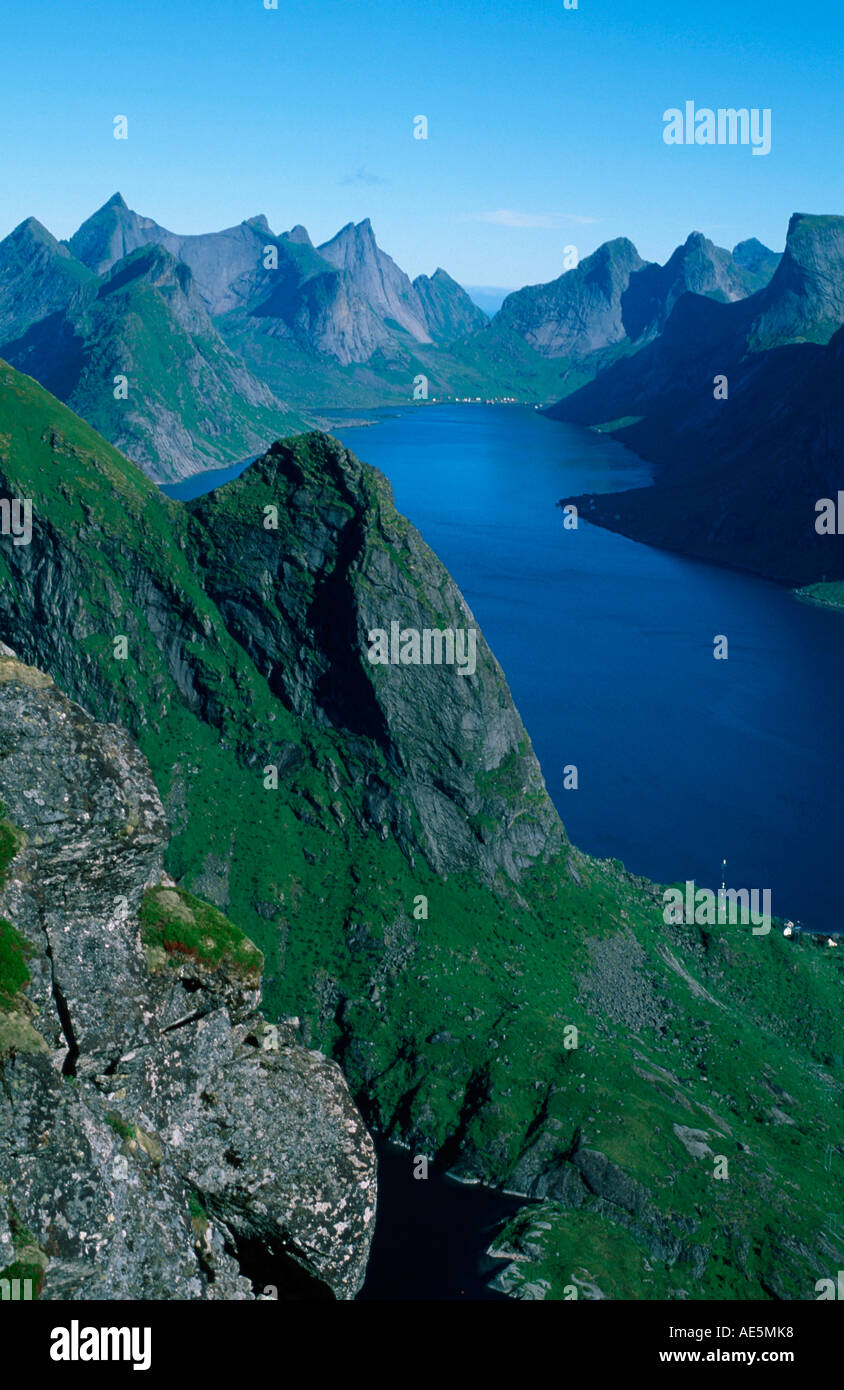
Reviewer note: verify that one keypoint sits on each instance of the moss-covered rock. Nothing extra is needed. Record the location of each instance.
(176, 926)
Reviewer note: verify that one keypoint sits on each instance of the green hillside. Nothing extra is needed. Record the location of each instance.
(246, 651)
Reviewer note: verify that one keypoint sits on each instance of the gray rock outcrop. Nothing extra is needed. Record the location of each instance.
(158, 1138)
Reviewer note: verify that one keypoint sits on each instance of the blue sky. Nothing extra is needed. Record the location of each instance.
(545, 124)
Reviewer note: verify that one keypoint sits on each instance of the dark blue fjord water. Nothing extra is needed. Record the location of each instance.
(608, 648)
(431, 1235)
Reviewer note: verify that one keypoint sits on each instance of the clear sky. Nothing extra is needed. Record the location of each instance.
(545, 124)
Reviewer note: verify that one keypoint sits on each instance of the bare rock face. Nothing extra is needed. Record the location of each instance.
(377, 278)
(449, 311)
(158, 1138)
(579, 312)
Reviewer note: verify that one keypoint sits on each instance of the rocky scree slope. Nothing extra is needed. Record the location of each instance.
(384, 836)
(157, 1139)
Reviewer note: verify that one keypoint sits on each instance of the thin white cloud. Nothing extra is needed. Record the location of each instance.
(507, 217)
(363, 175)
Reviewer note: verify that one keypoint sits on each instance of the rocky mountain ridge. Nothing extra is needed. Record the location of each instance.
(280, 326)
(613, 296)
(135, 352)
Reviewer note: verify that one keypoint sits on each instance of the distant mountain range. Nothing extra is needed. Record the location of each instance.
(228, 339)
(740, 466)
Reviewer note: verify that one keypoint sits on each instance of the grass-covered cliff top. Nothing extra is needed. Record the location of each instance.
(177, 927)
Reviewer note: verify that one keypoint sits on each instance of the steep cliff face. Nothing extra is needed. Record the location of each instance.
(581, 311)
(134, 1060)
(805, 298)
(697, 267)
(757, 262)
(329, 326)
(298, 313)
(38, 277)
(614, 297)
(449, 312)
(340, 565)
(115, 231)
(376, 278)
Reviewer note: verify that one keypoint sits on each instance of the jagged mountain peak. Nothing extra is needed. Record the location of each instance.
(449, 311)
(751, 251)
(375, 278)
(697, 267)
(805, 298)
(193, 404)
(33, 230)
(112, 232)
(38, 277)
(757, 261)
(618, 248)
(299, 235)
(353, 237)
(579, 312)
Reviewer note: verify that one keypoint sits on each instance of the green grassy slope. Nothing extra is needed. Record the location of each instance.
(452, 1027)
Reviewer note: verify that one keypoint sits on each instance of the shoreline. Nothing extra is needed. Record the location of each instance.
(829, 595)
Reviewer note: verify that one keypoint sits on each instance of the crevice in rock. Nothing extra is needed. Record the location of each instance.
(183, 1022)
(69, 1063)
(274, 1268)
(343, 691)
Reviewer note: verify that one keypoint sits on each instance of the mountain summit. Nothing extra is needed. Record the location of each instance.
(376, 278)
